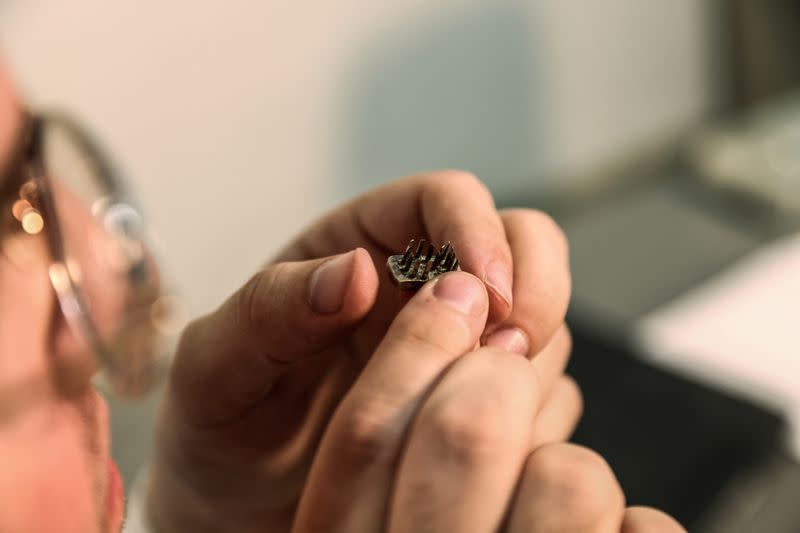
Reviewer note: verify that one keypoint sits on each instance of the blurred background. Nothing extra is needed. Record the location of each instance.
(664, 137)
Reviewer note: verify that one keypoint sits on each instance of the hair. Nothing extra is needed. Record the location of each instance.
(11, 177)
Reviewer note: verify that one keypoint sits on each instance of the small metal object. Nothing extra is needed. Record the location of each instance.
(420, 263)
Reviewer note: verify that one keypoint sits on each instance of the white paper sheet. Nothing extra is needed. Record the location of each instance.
(740, 330)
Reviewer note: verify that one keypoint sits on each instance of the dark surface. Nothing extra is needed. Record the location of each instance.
(674, 444)
(642, 246)
(639, 241)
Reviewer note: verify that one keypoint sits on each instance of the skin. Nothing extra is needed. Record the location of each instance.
(337, 405)
(51, 421)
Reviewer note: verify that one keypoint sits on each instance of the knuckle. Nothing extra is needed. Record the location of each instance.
(251, 304)
(185, 378)
(246, 300)
(490, 418)
(505, 374)
(511, 374)
(469, 433)
(430, 337)
(583, 478)
(540, 224)
(184, 366)
(639, 519)
(457, 175)
(365, 432)
(448, 178)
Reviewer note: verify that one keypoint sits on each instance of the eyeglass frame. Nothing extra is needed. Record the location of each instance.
(29, 158)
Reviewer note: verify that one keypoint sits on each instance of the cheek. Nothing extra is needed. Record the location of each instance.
(26, 305)
(48, 485)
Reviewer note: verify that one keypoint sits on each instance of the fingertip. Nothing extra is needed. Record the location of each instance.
(497, 277)
(510, 339)
(499, 309)
(461, 291)
(647, 519)
(362, 290)
(493, 269)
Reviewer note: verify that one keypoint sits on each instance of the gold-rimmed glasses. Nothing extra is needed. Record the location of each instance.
(132, 354)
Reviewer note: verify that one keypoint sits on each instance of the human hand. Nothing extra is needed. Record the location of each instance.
(255, 382)
(475, 450)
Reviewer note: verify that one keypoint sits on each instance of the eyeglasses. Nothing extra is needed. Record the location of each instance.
(59, 159)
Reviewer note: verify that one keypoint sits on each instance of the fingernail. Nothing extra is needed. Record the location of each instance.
(329, 283)
(498, 278)
(510, 339)
(462, 291)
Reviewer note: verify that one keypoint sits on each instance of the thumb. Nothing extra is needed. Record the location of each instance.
(284, 314)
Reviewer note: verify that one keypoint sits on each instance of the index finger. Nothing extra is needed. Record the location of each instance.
(442, 206)
(351, 479)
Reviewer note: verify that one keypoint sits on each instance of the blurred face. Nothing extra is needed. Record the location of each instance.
(56, 473)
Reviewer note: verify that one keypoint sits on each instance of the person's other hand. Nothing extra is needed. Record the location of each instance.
(254, 383)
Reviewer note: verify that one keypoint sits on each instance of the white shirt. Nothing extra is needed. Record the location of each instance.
(136, 518)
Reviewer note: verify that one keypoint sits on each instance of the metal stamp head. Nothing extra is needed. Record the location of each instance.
(420, 263)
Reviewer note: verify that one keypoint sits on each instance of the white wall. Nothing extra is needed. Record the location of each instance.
(239, 123)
